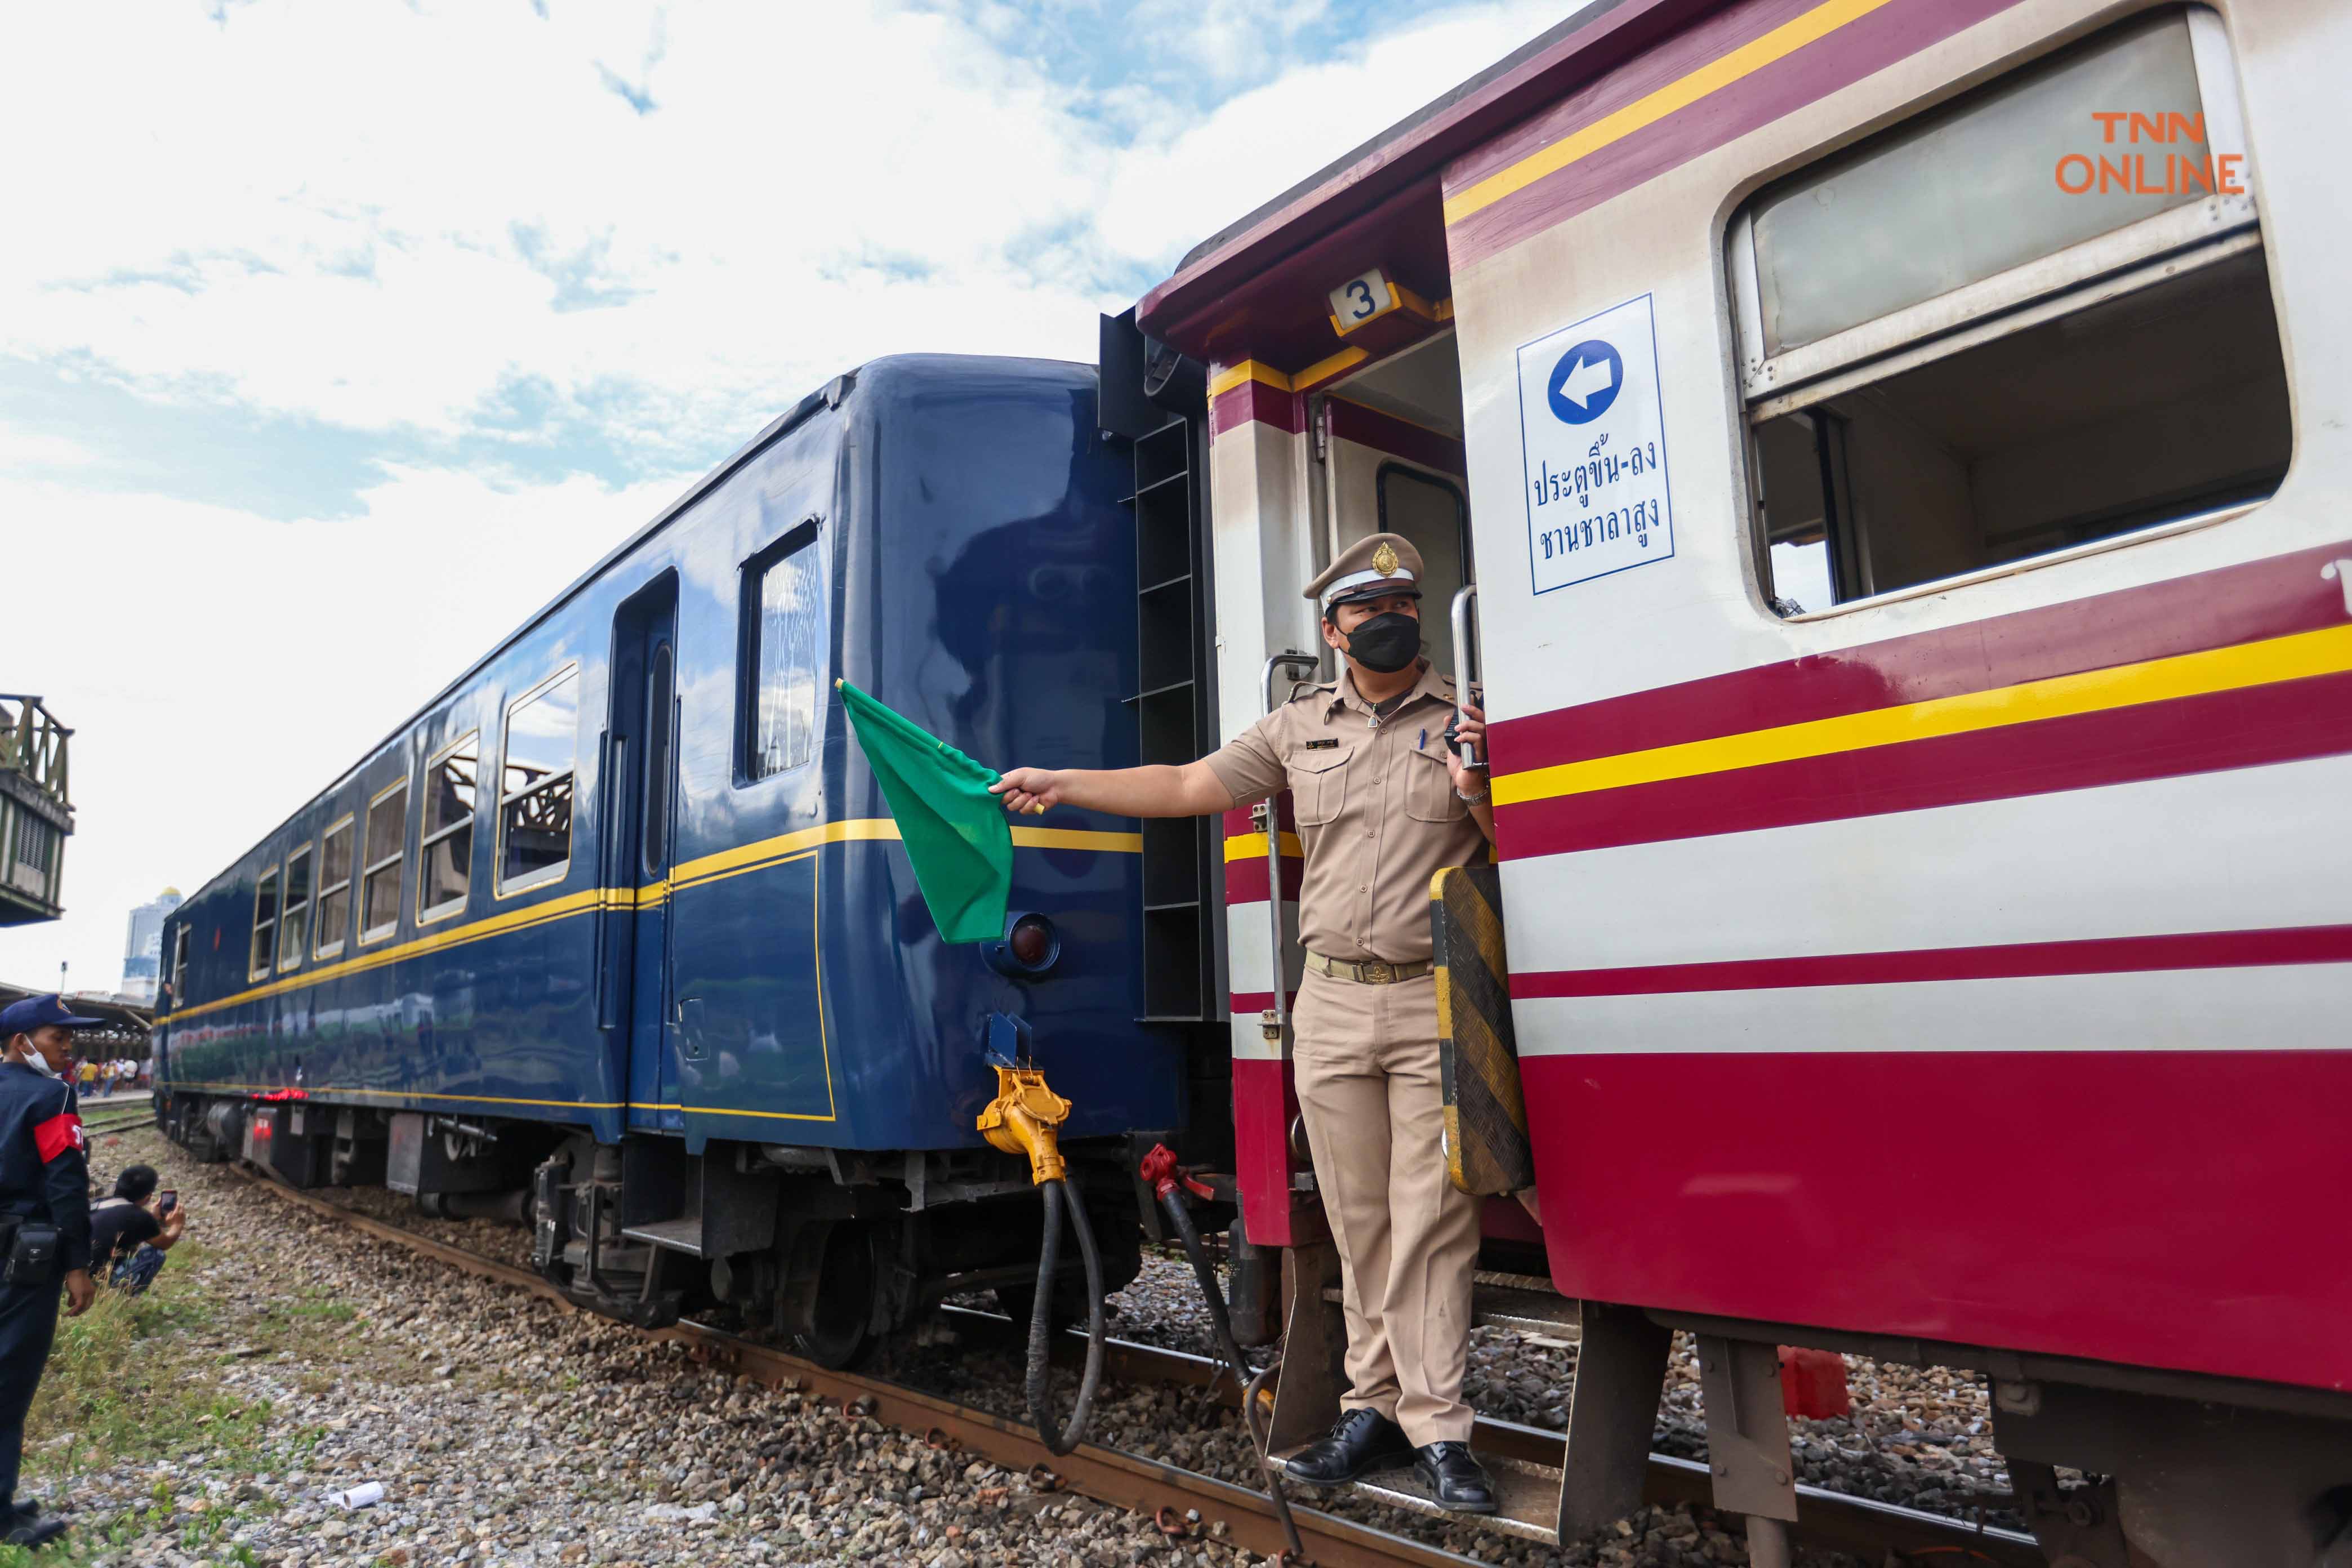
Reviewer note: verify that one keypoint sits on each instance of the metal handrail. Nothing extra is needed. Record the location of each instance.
(1464, 666)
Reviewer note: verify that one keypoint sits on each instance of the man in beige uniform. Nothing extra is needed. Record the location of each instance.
(1382, 804)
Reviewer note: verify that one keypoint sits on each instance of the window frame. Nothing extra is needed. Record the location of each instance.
(396, 862)
(182, 938)
(308, 850)
(500, 888)
(269, 881)
(321, 947)
(2079, 277)
(808, 534)
(456, 906)
(2142, 252)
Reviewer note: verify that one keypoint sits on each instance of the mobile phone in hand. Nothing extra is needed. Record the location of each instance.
(167, 1200)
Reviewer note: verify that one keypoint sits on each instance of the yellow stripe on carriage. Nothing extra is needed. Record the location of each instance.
(2328, 651)
(727, 863)
(1722, 71)
(1252, 846)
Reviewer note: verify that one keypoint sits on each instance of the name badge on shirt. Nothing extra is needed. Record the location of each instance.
(1323, 745)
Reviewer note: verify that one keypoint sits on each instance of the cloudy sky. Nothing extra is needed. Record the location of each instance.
(335, 337)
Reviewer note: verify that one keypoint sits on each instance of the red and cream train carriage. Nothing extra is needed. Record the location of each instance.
(1902, 450)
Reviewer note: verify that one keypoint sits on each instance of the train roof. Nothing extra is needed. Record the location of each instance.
(1254, 288)
(832, 394)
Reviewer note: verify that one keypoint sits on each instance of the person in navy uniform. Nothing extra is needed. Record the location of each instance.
(44, 1189)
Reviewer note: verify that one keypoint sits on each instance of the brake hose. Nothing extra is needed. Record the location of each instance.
(1060, 1194)
(1161, 1173)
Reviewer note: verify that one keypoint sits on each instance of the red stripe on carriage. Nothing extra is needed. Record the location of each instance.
(2146, 1208)
(1256, 401)
(2249, 603)
(2288, 720)
(2007, 960)
(1245, 879)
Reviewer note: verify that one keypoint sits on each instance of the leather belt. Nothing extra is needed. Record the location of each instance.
(1373, 973)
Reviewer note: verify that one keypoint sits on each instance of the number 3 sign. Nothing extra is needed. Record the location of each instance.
(1362, 300)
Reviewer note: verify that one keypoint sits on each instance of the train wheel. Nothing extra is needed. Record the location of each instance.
(829, 1295)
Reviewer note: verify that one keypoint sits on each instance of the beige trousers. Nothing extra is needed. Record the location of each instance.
(1366, 1063)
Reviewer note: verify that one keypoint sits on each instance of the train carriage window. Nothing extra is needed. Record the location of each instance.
(535, 785)
(785, 614)
(2034, 318)
(265, 925)
(444, 844)
(294, 924)
(334, 887)
(179, 984)
(387, 827)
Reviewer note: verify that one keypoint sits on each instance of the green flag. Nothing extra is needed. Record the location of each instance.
(955, 830)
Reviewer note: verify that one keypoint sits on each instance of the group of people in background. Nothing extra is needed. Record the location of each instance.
(103, 1078)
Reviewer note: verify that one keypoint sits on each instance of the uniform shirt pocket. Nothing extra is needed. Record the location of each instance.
(1318, 785)
(1429, 794)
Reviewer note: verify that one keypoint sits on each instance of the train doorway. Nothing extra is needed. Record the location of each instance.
(643, 768)
(1391, 439)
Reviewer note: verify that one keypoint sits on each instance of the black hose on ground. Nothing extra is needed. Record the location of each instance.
(1061, 1194)
(1171, 1199)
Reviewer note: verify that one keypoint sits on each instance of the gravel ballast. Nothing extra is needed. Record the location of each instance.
(507, 1431)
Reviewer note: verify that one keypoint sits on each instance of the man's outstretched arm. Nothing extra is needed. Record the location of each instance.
(1158, 790)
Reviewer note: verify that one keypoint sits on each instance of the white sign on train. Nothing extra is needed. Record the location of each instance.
(1594, 445)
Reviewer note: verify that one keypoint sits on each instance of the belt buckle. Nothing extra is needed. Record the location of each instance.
(1376, 973)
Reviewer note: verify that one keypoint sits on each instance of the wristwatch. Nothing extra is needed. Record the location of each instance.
(1479, 798)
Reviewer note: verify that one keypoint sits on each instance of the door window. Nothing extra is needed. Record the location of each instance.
(784, 610)
(660, 704)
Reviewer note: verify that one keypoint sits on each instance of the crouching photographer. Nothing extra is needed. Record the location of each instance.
(131, 1231)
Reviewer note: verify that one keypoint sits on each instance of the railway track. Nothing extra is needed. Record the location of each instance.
(1169, 1494)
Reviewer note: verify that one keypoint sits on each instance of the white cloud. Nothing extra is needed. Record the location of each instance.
(316, 210)
(218, 669)
(1257, 144)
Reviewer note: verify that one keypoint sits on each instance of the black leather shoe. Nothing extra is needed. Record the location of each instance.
(32, 1532)
(1362, 1442)
(1455, 1477)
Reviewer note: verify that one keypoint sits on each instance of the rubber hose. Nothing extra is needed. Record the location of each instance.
(1061, 1194)
(1213, 1295)
(1211, 1291)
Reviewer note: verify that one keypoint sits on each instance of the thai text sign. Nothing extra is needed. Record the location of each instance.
(1592, 443)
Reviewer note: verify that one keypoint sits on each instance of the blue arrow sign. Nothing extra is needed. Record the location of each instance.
(1585, 381)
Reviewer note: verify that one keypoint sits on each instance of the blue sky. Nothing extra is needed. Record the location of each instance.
(445, 297)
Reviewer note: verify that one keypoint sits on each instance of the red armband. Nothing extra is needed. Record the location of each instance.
(57, 1135)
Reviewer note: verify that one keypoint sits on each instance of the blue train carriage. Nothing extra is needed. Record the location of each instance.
(614, 935)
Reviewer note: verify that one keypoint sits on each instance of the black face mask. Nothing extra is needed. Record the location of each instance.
(1386, 643)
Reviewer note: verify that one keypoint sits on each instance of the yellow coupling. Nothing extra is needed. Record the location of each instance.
(1023, 1119)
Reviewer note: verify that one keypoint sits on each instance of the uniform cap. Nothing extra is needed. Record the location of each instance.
(34, 1011)
(1371, 568)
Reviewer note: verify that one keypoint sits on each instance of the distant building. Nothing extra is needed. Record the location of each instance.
(143, 951)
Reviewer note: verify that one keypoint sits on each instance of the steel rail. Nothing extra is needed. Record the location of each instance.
(1143, 1486)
